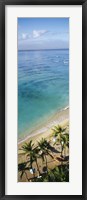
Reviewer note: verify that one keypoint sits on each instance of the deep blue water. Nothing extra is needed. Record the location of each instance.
(43, 86)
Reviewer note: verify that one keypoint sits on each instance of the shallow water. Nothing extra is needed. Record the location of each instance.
(43, 86)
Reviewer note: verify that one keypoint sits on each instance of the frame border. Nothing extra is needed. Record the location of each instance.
(2, 97)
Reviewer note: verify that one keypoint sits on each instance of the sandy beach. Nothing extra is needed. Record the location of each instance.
(60, 118)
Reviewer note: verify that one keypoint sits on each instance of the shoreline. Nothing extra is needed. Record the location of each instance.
(61, 117)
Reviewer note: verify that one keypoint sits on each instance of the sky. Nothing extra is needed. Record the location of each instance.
(43, 33)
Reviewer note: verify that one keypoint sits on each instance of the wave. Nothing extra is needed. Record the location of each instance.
(52, 121)
(66, 61)
(67, 107)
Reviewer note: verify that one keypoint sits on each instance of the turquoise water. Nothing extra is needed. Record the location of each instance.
(43, 86)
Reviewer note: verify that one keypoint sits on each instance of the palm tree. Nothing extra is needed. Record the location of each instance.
(58, 132)
(43, 147)
(31, 153)
(27, 147)
(34, 155)
(22, 168)
(65, 141)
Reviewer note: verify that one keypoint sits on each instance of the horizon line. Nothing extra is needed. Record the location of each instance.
(42, 49)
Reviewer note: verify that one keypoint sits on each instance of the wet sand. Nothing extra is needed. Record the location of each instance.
(59, 118)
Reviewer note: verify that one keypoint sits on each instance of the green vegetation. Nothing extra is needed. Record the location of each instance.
(31, 169)
(58, 174)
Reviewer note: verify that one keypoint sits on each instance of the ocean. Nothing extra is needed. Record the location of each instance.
(43, 87)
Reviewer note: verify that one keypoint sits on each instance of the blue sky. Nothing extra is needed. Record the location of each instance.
(43, 33)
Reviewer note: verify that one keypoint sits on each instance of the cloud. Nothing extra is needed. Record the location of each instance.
(24, 36)
(39, 33)
(33, 35)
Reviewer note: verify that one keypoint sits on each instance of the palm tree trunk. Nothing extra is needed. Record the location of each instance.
(26, 176)
(46, 163)
(65, 152)
(33, 172)
(61, 151)
(37, 167)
